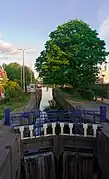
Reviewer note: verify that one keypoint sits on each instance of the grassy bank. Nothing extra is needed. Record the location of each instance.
(72, 94)
(14, 104)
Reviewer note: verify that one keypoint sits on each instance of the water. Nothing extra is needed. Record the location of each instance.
(40, 166)
(46, 97)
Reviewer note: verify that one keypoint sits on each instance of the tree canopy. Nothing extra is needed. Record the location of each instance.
(71, 55)
(14, 70)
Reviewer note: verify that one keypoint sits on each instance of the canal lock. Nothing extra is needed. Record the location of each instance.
(72, 163)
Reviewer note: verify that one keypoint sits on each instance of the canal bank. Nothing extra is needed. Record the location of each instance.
(102, 141)
(67, 101)
(10, 151)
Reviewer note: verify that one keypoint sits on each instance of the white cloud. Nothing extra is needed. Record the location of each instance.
(104, 29)
(6, 47)
(10, 53)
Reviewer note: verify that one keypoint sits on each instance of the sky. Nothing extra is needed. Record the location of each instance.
(27, 24)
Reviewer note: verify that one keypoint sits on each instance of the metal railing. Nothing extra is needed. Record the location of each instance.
(48, 116)
(33, 124)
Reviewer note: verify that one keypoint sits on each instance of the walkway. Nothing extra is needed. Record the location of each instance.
(85, 105)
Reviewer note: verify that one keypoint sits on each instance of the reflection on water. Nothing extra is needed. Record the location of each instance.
(46, 97)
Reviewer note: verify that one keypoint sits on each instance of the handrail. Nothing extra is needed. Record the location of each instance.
(62, 125)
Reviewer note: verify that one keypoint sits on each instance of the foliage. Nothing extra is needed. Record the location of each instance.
(12, 90)
(100, 91)
(71, 55)
(28, 72)
(14, 104)
(87, 94)
(1, 88)
(3, 78)
(14, 72)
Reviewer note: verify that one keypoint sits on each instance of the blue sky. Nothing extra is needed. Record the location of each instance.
(27, 23)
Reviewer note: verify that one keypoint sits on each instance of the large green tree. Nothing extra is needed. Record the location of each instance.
(72, 55)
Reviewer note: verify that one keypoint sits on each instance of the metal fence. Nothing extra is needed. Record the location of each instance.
(32, 124)
(48, 116)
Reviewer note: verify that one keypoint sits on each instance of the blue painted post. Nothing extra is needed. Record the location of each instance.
(103, 113)
(7, 114)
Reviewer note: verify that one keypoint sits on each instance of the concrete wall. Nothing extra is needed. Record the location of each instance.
(59, 98)
(5, 167)
(38, 96)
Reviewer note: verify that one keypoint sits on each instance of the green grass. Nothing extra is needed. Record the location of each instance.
(73, 95)
(14, 104)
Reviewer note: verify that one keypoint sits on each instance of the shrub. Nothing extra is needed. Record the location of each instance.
(100, 92)
(86, 94)
(12, 90)
(68, 90)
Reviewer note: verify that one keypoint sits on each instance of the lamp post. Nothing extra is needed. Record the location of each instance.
(23, 70)
(31, 75)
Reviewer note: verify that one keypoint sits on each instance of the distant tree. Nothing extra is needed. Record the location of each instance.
(12, 90)
(14, 73)
(71, 55)
(28, 75)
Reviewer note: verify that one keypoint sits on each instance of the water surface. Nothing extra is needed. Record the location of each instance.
(46, 97)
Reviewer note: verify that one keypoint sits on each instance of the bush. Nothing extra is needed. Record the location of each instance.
(68, 90)
(86, 94)
(12, 90)
(100, 91)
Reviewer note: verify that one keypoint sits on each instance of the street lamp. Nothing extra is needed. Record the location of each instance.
(23, 50)
(31, 74)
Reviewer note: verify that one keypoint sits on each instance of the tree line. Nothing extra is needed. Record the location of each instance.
(11, 83)
(15, 73)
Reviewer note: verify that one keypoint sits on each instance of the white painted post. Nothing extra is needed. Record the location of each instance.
(94, 130)
(62, 127)
(45, 129)
(21, 128)
(53, 128)
(71, 126)
(31, 130)
(85, 127)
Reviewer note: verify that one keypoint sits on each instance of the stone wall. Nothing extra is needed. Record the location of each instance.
(34, 101)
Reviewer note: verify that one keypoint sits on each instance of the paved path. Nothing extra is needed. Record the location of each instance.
(87, 105)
